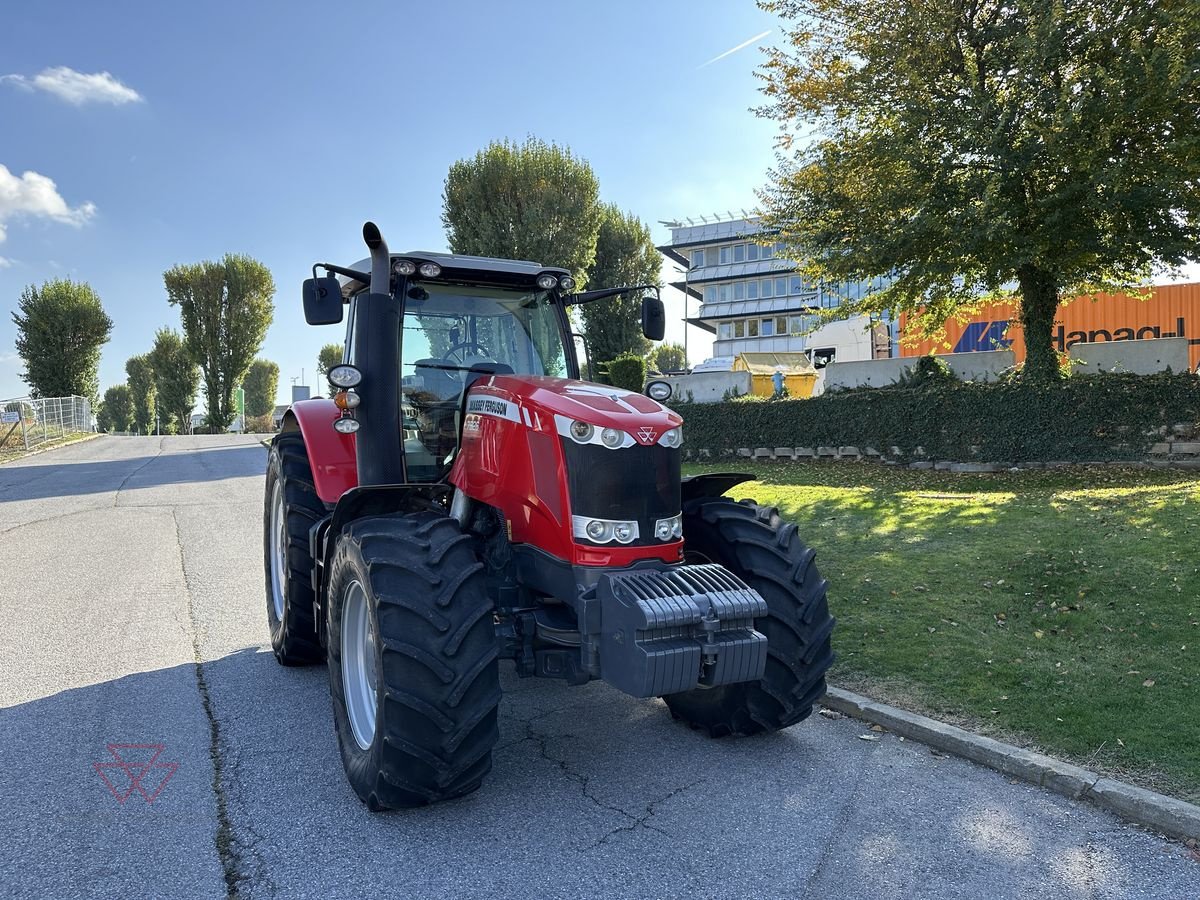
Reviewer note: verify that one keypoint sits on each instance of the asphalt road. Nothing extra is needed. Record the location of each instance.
(132, 612)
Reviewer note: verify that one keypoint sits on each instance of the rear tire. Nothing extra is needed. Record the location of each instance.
(427, 726)
(292, 508)
(765, 552)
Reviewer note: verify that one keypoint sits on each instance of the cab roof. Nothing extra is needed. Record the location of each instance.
(458, 267)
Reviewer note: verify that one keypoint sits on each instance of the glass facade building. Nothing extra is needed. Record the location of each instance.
(752, 297)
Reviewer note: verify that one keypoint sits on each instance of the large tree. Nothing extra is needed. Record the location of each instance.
(116, 409)
(226, 308)
(60, 330)
(141, 393)
(970, 148)
(531, 200)
(668, 358)
(176, 378)
(329, 356)
(260, 385)
(625, 254)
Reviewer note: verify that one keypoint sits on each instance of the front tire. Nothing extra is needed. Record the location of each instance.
(292, 508)
(412, 660)
(755, 544)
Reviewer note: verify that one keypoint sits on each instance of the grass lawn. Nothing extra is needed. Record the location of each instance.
(1059, 609)
(14, 449)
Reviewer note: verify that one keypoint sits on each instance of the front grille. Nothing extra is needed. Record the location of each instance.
(638, 483)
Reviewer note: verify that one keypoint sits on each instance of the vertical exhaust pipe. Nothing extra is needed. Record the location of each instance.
(378, 446)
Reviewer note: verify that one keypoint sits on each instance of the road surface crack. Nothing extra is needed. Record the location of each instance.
(651, 809)
(237, 856)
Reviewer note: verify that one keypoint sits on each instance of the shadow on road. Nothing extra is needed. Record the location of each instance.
(45, 477)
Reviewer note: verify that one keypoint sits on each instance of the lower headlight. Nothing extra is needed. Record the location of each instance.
(602, 531)
(672, 438)
(669, 529)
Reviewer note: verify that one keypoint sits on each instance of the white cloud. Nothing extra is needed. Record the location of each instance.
(732, 50)
(76, 87)
(33, 194)
(5, 262)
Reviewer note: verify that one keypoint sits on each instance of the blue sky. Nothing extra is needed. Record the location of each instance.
(276, 129)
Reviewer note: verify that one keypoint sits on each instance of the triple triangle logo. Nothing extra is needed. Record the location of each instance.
(135, 768)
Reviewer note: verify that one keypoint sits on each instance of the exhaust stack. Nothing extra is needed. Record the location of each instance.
(377, 351)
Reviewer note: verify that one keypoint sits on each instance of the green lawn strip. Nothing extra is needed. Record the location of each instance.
(1057, 608)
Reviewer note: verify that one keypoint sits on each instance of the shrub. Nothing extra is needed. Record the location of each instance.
(628, 372)
(1083, 418)
(260, 424)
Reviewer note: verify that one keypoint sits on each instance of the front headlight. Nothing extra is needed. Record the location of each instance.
(669, 529)
(611, 438)
(658, 390)
(672, 438)
(602, 531)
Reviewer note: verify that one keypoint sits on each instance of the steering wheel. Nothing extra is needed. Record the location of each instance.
(465, 349)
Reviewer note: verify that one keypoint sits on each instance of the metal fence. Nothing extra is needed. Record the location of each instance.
(26, 423)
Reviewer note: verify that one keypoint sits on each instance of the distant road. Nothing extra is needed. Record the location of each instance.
(132, 613)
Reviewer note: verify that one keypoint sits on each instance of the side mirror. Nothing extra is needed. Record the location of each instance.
(322, 301)
(654, 318)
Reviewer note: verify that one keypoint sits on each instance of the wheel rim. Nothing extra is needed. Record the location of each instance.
(279, 543)
(358, 664)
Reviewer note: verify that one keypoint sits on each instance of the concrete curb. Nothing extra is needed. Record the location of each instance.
(1172, 817)
(89, 437)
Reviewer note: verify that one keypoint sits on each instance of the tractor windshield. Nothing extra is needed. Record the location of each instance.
(447, 330)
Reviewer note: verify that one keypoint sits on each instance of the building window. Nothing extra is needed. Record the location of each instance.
(739, 253)
(798, 286)
(752, 252)
(768, 327)
(697, 259)
(781, 325)
(779, 248)
(752, 328)
(724, 256)
(766, 252)
(725, 331)
(710, 293)
(752, 290)
(739, 329)
(723, 292)
(766, 288)
(780, 287)
(739, 290)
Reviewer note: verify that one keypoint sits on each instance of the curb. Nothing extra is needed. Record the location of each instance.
(1175, 818)
(90, 437)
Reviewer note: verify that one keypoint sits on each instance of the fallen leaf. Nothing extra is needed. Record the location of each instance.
(830, 713)
(937, 754)
(868, 737)
(1039, 634)
(878, 728)
(1149, 682)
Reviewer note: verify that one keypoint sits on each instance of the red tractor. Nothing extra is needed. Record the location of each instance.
(465, 498)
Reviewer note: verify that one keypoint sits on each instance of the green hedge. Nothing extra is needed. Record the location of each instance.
(1083, 418)
(627, 372)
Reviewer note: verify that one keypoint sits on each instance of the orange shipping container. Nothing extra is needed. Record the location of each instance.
(1172, 310)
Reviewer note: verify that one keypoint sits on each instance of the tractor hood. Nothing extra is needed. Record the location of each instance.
(539, 400)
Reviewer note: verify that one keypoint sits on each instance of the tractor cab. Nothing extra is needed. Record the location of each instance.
(461, 319)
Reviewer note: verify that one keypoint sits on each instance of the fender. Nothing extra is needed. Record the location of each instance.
(710, 484)
(330, 453)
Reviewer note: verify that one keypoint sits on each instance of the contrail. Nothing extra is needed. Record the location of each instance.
(741, 46)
